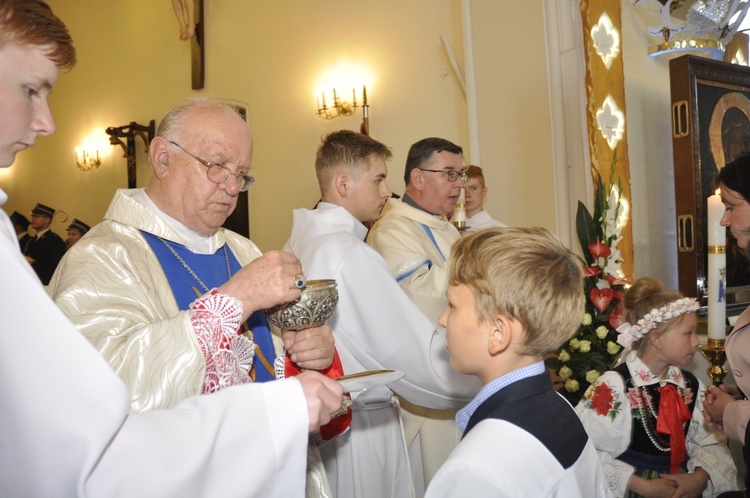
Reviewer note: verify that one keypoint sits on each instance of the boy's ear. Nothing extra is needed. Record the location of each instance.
(501, 335)
(342, 184)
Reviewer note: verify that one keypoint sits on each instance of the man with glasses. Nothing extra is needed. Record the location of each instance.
(414, 234)
(415, 237)
(145, 286)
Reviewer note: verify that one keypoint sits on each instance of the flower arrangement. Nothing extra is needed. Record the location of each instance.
(594, 348)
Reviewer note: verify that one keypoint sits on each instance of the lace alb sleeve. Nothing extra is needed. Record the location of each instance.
(216, 320)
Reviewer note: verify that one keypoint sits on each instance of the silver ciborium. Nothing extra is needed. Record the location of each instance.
(313, 308)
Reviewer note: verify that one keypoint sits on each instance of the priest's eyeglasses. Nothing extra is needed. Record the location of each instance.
(451, 174)
(218, 173)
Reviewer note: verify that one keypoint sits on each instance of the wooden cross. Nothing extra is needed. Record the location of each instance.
(196, 45)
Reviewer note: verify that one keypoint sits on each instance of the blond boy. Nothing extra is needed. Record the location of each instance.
(515, 294)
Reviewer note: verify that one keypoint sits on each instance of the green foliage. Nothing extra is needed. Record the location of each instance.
(594, 348)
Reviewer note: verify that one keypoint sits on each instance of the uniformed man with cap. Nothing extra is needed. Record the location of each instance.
(76, 230)
(46, 248)
(21, 226)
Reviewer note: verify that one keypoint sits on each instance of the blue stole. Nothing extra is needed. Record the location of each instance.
(212, 270)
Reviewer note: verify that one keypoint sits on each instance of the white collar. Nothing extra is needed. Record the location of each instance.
(200, 244)
(643, 376)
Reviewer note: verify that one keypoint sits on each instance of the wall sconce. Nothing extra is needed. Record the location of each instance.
(344, 108)
(87, 158)
(339, 107)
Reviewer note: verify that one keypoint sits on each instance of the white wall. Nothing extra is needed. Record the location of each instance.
(270, 55)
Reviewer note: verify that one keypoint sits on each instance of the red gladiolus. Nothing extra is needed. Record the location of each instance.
(616, 319)
(601, 298)
(591, 271)
(616, 281)
(599, 250)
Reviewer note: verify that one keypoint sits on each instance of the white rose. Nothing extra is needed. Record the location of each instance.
(585, 346)
(563, 356)
(612, 347)
(602, 331)
(591, 376)
(565, 373)
(571, 385)
(586, 319)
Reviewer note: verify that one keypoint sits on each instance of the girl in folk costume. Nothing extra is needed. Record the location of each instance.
(645, 416)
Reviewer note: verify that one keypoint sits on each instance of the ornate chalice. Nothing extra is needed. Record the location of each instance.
(313, 308)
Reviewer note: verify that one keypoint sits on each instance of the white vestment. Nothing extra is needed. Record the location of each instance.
(417, 247)
(376, 327)
(66, 431)
(112, 287)
(480, 221)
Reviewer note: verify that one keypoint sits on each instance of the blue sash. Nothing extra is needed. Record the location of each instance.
(212, 270)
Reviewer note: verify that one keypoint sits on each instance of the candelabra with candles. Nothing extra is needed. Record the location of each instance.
(339, 107)
(713, 350)
(344, 108)
(86, 159)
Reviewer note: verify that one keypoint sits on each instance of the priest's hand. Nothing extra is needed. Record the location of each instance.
(311, 348)
(323, 395)
(265, 282)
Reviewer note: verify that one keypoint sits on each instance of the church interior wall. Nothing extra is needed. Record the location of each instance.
(270, 55)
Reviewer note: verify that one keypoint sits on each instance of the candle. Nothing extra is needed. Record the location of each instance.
(717, 262)
(717, 234)
(459, 212)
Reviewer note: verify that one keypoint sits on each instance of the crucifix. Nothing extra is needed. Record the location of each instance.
(130, 132)
(196, 47)
(190, 18)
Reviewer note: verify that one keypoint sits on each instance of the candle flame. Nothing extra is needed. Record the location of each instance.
(717, 191)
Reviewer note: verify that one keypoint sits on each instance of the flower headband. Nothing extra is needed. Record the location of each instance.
(627, 334)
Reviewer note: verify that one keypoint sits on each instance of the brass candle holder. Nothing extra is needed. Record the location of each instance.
(714, 352)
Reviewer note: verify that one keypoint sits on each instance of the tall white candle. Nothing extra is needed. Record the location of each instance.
(717, 262)
(717, 234)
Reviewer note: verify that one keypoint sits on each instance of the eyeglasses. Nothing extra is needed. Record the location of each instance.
(218, 173)
(451, 174)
